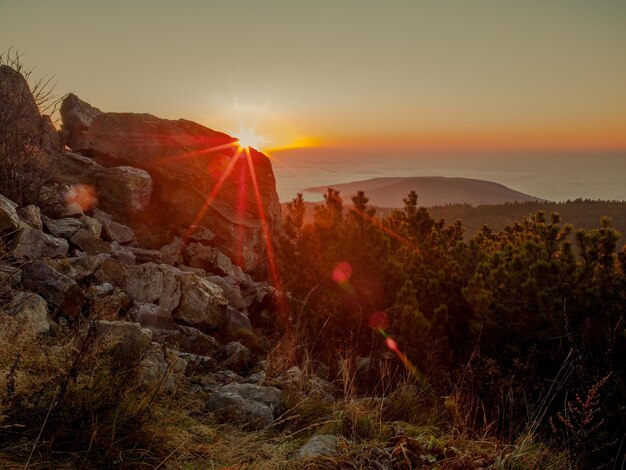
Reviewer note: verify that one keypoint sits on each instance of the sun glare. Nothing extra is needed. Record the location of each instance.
(248, 138)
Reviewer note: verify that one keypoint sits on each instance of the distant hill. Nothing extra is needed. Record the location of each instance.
(581, 213)
(432, 191)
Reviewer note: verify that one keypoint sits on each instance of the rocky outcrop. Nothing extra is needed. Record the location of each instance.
(200, 177)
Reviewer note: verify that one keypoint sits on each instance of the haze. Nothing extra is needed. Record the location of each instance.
(464, 88)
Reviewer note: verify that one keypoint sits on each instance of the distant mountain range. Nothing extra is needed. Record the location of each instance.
(432, 191)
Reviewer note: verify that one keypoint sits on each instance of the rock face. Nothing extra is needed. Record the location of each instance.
(200, 177)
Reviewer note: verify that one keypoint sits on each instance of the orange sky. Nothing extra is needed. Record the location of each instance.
(489, 74)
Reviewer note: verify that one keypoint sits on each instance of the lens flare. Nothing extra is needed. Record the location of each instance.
(82, 194)
(342, 272)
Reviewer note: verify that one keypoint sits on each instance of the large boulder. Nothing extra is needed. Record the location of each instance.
(124, 190)
(77, 116)
(20, 120)
(198, 174)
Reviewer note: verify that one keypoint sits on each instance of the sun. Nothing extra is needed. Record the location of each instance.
(248, 138)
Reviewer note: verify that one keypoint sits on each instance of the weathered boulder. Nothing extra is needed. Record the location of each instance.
(92, 225)
(9, 219)
(187, 339)
(237, 321)
(236, 357)
(20, 118)
(269, 396)
(318, 446)
(62, 228)
(89, 243)
(202, 304)
(78, 268)
(33, 244)
(113, 231)
(111, 271)
(190, 163)
(122, 254)
(59, 290)
(232, 407)
(77, 116)
(161, 369)
(143, 255)
(212, 260)
(152, 316)
(32, 310)
(172, 253)
(30, 215)
(155, 284)
(231, 291)
(124, 190)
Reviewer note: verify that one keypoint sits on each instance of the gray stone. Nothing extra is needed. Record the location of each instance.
(237, 357)
(173, 253)
(231, 292)
(111, 271)
(89, 243)
(154, 283)
(143, 255)
(78, 268)
(318, 446)
(10, 276)
(233, 407)
(122, 254)
(256, 378)
(237, 321)
(152, 316)
(33, 244)
(62, 228)
(59, 290)
(161, 369)
(202, 304)
(9, 219)
(32, 310)
(112, 230)
(269, 396)
(92, 225)
(30, 215)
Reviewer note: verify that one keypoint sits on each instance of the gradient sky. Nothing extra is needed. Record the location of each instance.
(434, 74)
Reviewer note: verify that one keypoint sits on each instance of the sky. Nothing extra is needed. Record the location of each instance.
(406, 77)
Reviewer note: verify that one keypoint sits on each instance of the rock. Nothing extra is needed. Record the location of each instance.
(33, 244)
(215, 380)
(318, 446)
(122, 254)
(20, 118)
(113, 231)
(124, 190)
(78, 268)
(111, 271)
(77, 116)
(59, 290)
(108, 306)
(89, 243)
(10, 276)
(143, 255)
(32, 310)
(187, 339)
(211, 259)
(69, 209)
(9, 219)
(92, 225)
(62, 228)
(237, 321)
(161, 369)
(152, 316)
(30, 215)
(154, 283)
(172, 253)
(269, 396)
(176, 152)
(236, 357)
(258, 296)
(230, 291)
(198, 364)
(200, 234)
(256, 378)
(124, 340)
(202, 304)
(232, 407)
